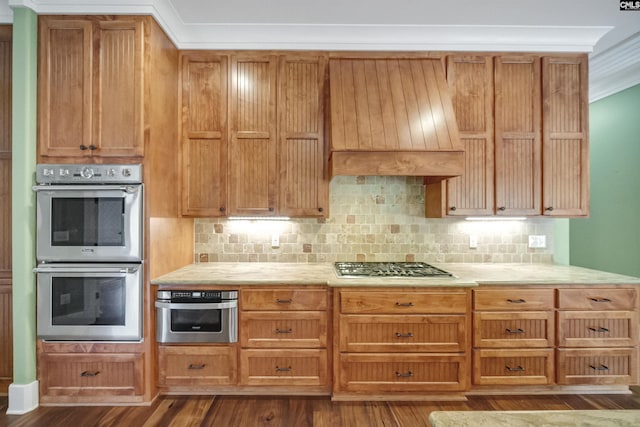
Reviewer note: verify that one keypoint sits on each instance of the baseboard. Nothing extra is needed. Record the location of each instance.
(23, 398)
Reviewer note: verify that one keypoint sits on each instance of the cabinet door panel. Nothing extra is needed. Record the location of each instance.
(513, 367)
(64, 87)
(597, 328)
(289, 367)
(512, 330)
(518, 139)
(204, 134)
(252, 164)
(119, 108)
(601, 366)
(197, 365)
(300, 329)
(565, 137)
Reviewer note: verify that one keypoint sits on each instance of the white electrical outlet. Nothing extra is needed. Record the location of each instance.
(537, 241)
(473, 241)
(275, 240)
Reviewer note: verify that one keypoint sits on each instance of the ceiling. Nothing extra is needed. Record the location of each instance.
(610, 35)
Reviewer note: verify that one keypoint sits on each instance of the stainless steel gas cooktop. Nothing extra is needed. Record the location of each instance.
(388, 269)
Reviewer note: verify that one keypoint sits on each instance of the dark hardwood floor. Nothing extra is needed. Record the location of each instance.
(234, 411)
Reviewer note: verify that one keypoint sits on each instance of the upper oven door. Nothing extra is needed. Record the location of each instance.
(89, 223)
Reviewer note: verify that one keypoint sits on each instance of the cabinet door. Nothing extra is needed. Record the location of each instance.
(64, 87)
(252, 156)
(118, 108)
(303, 182)
(470, 80)
(565, 136)
(204, 134)
(517, 128)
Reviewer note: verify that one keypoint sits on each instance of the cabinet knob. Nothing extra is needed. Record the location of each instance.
(222, 209)
(452, 208)
(90, 374)
(83, 147)
(320, 209)
(502, 208)
(550, 208)
(515, 369)
(271, 209)
(599, 368)
(407, 374)
(283, 369)
(92, 147)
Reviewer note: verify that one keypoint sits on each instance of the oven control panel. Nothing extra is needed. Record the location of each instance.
(197, 296)
(88, 174)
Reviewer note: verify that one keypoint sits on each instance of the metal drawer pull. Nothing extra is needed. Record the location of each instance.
(90, 374)
(599, 368)
(517, 301)
(201, 366)
(404, 304)
(404, 374)
(284, 301)
(600, 299)
(283, 331)
(516, 369)
(599, 329)
(279, 369)
(407, 335)
(515, 331)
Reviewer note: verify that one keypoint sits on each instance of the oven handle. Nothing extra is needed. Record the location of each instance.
(196, 306)
(132, 188)
(124, 270)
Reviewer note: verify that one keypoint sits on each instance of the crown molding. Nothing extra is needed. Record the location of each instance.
(616, 69)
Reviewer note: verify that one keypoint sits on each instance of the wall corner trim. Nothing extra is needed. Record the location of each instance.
(23, 398)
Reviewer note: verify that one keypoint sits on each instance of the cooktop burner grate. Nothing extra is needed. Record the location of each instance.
(388, 269)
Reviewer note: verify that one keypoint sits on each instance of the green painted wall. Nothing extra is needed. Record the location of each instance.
(25, 32)
(610, 239)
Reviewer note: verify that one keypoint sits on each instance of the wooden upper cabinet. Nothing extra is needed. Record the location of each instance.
(470, 80)
(303, 181)
(204, 134)
(90, 91)
(252, 148)
(565, 136)
(518, 135)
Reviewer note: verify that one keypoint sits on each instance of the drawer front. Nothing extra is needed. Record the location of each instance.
(597, 328)
(598, 299)
(301, 329)
(513, 367)
(598, 366)
(295, 367)
(365, 302)
(403, 333)
(197, 365)
(513, 330)
(402, 373)
(91, 374)
(513, 299)
(283, 299)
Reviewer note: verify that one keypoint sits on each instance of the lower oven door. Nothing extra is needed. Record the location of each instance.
(197, 322)
(89, 302)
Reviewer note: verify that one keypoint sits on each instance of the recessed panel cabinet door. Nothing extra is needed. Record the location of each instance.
(518, 135)
(565, 136)
(204, 134)
(252, 150)
(302, 176)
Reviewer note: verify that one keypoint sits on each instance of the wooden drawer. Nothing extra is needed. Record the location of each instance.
(598, 299)
(387, 372)
(513, 299)
(513, 330)
(299, 367)
(513, 367)
(418, 302)
(197, 365)
(302, 329)
(602, 366)
(75, 374)
(283, 299)
(403, 333)
(597, 328)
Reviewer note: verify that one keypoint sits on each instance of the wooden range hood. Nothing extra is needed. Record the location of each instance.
(392, 117)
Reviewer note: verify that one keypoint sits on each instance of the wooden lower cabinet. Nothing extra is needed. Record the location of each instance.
(284, 367)
(78, 378)
(402, 372)
(201, 365)
(513, 367)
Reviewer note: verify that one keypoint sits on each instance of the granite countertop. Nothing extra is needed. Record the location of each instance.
(464, 275)
(569, 418)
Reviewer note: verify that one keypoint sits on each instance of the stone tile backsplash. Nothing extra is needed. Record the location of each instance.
(372, 219)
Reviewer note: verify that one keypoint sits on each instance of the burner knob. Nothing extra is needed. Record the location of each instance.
(87, 173)
(126, 172)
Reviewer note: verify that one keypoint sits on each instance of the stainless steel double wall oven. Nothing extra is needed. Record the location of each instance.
(89, 250)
